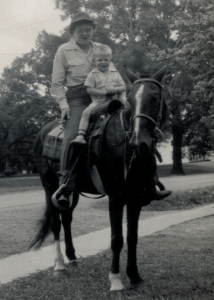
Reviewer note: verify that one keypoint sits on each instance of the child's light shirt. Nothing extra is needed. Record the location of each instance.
(103, 82)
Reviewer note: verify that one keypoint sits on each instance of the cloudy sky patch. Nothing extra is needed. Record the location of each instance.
(20, 23)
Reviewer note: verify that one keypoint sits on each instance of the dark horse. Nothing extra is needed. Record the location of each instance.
(140, 118)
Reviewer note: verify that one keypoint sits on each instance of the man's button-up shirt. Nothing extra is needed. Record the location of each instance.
(71, 67)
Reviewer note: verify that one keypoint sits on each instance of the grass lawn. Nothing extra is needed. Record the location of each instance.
(189, 168)
(19, 225)
(176, 264)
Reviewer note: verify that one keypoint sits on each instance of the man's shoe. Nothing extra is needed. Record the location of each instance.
(63, 201)
(79, 140)
(60, 198)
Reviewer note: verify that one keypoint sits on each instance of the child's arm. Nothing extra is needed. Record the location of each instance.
(120, 89)
(95, 92)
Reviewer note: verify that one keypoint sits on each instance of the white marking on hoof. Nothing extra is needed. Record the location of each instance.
(115, 280)
(59, 261)
(59, 264)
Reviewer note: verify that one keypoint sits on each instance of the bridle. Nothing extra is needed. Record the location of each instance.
(160, 113)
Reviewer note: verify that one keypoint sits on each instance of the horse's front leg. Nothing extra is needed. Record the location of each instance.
(66, 222)
(116, 216)
(133, 213)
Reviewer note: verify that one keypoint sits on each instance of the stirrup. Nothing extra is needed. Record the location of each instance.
(55, 202)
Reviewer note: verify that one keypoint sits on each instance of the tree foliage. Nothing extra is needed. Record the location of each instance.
(144, 34)
(25, 101)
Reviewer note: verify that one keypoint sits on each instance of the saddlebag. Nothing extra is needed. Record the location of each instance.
(53, 143)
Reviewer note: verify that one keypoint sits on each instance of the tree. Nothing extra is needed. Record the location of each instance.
(25, 101)
(140, 34)
(191, 64)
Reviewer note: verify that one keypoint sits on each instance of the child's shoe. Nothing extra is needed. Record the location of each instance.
(79, 140)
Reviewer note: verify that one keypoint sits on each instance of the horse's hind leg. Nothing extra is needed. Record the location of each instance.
(55, 224)
(116, 216)
(133, 213)
(50, 183)
(66, 222)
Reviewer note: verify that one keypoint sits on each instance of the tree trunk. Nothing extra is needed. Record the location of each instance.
(177, 167)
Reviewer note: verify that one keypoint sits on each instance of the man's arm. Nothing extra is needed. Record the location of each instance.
(58, 78)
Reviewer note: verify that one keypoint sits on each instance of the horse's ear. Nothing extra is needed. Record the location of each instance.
(159, 75)
(131, 76)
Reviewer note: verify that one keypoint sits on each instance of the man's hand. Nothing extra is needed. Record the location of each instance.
(65, 114)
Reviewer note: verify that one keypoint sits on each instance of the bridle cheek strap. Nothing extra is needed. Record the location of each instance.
(160, 113)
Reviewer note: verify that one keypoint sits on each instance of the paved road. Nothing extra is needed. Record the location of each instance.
(175, 183)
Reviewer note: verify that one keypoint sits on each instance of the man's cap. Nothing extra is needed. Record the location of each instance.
(80, 16)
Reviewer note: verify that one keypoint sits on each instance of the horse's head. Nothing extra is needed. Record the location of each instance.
(147, 109)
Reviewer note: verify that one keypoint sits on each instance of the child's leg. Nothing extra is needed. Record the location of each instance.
(84, 123)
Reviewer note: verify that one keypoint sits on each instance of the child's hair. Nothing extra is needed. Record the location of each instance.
(103, 49)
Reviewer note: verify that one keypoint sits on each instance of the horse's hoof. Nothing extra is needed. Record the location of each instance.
(58, 273)
(116, 284)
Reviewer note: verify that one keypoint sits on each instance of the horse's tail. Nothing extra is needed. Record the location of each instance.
(43, 232)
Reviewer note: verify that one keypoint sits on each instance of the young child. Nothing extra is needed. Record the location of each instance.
(103, 81)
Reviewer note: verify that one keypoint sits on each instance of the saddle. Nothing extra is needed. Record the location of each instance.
(99, 118)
